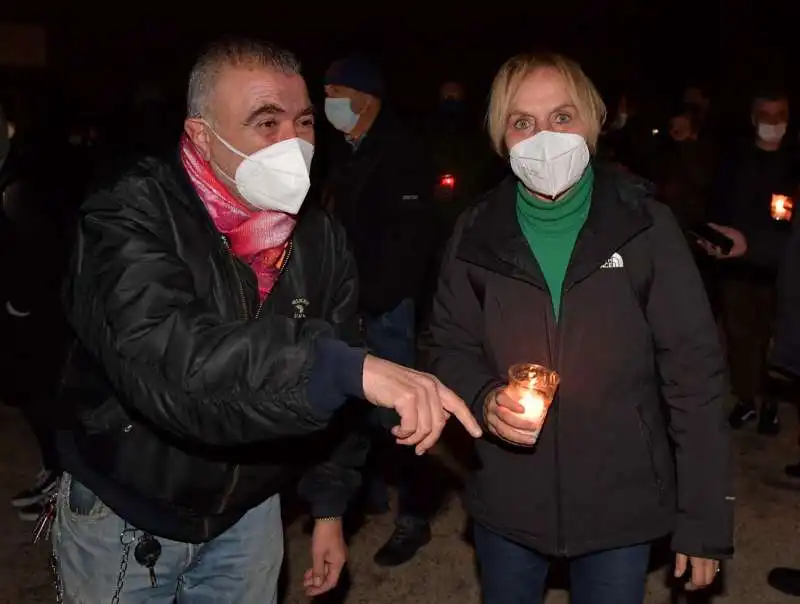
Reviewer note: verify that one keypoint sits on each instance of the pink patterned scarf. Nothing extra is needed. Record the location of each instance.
(258, 237)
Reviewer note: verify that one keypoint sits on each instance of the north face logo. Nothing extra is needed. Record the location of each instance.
(614, 262)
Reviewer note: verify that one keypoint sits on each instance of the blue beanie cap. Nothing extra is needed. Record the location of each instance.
(356, 72)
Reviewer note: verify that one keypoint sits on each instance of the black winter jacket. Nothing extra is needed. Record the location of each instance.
(641, 368)
(381, 191)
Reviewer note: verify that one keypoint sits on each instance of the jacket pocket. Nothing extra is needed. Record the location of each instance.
(647, 438)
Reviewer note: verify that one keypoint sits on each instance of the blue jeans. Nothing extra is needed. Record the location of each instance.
(514, 574)
(240, 566)
(392, 336)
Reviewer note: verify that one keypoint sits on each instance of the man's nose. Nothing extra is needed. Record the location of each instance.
(287, 131)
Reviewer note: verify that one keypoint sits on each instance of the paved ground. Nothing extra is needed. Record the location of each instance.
(767, 534)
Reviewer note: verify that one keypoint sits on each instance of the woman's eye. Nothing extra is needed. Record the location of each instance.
(563, 118)
(522, 124)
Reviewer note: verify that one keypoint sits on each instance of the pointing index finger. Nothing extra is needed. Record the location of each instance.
(454, 405)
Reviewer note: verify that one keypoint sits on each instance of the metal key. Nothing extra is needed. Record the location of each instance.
(146, 553)
(45, 520)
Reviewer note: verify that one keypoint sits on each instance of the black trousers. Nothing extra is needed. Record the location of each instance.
(747, 316)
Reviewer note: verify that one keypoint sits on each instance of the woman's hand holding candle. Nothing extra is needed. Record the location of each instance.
(517, 422)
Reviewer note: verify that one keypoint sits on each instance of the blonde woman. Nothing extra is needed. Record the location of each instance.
(574, 266)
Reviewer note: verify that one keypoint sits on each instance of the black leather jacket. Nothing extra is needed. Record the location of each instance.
(186, 404)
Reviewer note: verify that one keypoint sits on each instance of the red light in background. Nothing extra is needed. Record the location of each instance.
(448, 180)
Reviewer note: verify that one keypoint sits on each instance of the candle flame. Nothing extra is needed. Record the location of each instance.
(781, 207)
(534, 406)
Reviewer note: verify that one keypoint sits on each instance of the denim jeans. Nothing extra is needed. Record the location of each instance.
(240, 566)
(513, 574)
(391, 336)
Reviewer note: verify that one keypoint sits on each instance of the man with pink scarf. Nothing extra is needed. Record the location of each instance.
(216, 352)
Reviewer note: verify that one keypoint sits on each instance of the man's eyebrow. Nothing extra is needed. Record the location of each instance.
(263, 110)
(273, 109)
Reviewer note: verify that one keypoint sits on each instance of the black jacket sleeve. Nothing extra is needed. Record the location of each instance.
(131, 300)
(786, 351)
(330, 485)
(694, 387)
(456, 355)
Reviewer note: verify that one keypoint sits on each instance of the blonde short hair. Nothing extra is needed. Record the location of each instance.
(506, 83)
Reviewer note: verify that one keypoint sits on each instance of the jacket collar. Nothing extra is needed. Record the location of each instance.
(494, 239)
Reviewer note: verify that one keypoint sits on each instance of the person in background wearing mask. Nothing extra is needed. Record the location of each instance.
(573, 265)
(746, 182)
(214, 323)
(380, 186)
(34, 334)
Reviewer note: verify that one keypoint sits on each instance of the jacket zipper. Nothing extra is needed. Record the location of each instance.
(245, 315)
(281, 270)
(555, 354)
(242, 297)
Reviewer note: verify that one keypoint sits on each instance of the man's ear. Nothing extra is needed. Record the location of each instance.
(359, 102)
(200, 134)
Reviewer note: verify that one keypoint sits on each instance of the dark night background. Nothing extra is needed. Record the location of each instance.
(99, 53)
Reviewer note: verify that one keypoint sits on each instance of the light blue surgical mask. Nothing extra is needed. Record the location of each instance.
(340, 114)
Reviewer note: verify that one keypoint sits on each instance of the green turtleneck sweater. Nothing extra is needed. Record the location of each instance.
(552, 227)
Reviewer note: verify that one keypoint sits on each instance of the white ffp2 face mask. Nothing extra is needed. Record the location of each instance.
(549, 162)
(276, 177)
(771, 133)
(340, 114)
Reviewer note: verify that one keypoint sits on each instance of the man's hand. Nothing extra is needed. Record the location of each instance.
(704, 571)
(423, 403)
(328, 557)
(504, 420)
(739, 243)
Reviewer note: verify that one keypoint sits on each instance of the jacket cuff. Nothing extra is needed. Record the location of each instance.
(337, 373)
(333, 507)
(687, 543)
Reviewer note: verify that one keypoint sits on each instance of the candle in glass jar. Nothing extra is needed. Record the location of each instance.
(781, 207)
(534, 405)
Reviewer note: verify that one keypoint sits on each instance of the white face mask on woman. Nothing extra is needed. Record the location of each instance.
(550, 162)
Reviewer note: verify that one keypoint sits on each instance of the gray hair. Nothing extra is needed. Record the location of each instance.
(232, 52)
